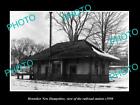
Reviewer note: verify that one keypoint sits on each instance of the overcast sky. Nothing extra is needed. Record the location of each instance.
(38, 30)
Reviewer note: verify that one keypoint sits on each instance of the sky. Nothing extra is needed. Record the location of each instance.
(38, 30)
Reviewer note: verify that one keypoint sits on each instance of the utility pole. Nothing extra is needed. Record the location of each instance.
(50, 31)
(50, 65)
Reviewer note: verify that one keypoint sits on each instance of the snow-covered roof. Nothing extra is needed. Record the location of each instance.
(105, 54)
(69, 50)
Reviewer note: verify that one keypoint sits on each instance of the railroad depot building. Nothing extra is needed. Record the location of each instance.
(78, 61)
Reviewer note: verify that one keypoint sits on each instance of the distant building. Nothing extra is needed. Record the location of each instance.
(72, 61)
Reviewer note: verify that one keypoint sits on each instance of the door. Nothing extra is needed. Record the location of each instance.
(46, 71)
(73, 71)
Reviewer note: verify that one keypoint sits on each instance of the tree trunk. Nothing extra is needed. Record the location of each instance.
(75, 37)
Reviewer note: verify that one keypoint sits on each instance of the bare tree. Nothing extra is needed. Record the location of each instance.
(73, 25)
(97, 27)
(117, 49)
(16, 51)
(103, 26)
(25, 47)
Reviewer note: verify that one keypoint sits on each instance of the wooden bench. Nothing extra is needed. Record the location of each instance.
(31, 76)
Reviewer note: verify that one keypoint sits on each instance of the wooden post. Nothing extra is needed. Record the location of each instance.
(61, 67)
(22, 76)
(90, 69)
(17, 76)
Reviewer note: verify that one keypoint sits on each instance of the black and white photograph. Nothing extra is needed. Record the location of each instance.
(63, 51)
(69, 50)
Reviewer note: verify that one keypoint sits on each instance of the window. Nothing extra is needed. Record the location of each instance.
(56, 67)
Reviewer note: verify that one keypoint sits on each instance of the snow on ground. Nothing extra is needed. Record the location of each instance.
(118, 84)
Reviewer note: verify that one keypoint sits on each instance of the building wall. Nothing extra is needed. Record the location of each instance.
(102, 73)
(83, 67)
(83, 73)
(56, 70)
(40, 73)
